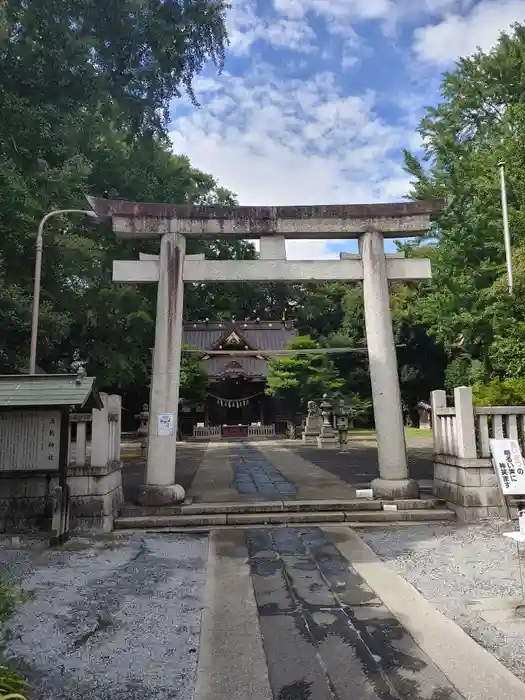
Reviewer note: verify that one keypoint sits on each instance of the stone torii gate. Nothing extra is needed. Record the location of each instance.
(173, 224)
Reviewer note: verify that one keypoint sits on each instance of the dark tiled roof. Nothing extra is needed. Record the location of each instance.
(263, 335)
(224, 366)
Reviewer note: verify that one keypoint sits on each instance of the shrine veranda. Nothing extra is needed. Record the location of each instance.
(173, 224)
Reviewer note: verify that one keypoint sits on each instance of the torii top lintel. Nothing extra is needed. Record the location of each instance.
(144, 220)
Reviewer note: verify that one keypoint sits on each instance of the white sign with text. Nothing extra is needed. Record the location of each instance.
(509, 466)
(165, 424)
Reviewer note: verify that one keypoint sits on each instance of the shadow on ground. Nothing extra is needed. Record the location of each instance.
(358, 465)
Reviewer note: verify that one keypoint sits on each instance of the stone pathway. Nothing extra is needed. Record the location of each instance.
(326, 635)
(226, 472)
(253, 473)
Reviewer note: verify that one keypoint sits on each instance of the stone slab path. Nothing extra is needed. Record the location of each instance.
(256, 614)
(325, 633)
(227, 472)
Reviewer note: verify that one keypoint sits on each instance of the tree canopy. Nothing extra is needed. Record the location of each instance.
(479, 122)
(85, 90)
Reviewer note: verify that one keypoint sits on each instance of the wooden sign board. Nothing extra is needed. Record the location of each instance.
(29, 440)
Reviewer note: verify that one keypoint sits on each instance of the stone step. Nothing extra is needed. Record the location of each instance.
(355, 517)
(129, 510)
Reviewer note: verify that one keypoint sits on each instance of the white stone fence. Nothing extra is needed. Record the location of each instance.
(261, 431)
(463, 471)
(214, 431)
(206, 431)
(94, 472)
(104, 447)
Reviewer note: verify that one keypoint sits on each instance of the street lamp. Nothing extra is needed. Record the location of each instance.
(506, 230)
(38, 274)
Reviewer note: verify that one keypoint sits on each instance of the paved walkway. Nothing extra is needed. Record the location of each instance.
(228, 472)
(267, 614)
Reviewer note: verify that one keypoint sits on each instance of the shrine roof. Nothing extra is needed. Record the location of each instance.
(259, 335)
(224, 366)
(26, 391)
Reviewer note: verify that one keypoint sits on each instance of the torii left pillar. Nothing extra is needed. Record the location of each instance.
(160, 487)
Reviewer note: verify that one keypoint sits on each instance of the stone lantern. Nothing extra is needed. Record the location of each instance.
(143, 429)
(341, 422)
(327, 438)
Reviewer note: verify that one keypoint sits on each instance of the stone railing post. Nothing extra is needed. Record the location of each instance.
(438, 399)
(115, 425)
(100, 434)
(465, 424)
(96, 487)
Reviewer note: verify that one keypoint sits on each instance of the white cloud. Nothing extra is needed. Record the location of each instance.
(461, 34)
(335, 9)
(245, 27)
(278, 141)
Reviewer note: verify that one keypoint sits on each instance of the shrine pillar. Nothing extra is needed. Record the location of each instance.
(160, 487)
(393, 481)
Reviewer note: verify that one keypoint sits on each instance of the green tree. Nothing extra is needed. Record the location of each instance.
(193, 378)
(479, 121)
(296, 379)
(84, 93)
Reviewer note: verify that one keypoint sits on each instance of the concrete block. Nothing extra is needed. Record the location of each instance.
(95, 485)
(232, 507)
(444, 472)
(13, 487)
(95, 505)
(372, 516)
(153, 521)
(40, 487)
(446, 491)
(478, 496)
(284, 518)
(470, 515)
(488, 478)
(316, 505)
(102, 524)
(468, 477)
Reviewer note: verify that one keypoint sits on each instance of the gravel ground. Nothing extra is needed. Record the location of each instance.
(469, 573)
(116, 618)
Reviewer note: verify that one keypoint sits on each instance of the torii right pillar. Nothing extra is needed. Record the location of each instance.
(393, 481)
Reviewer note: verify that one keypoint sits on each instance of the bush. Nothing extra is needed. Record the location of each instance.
(497, 392)
(464, 371)
(12, 687)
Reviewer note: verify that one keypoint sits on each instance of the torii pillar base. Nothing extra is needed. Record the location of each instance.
(392, 489)
(160, 495)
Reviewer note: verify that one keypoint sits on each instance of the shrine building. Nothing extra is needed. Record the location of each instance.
(235, 400)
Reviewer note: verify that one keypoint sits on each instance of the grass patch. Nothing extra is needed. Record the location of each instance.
(368, 436)
(12, 686)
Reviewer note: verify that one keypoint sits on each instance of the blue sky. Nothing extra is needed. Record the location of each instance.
(318, 98)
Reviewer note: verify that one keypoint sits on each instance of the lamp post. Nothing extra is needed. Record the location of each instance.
(38, 275)
(506, 230)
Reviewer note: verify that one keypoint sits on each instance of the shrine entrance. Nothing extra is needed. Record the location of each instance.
(233, 404)
(173, 224)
